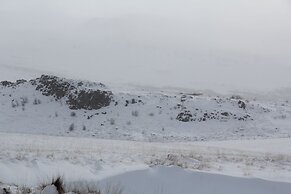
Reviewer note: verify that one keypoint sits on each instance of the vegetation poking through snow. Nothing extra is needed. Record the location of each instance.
(125, 115)
(135, 113)
(57, 182)
(72, 127)
(58, 186)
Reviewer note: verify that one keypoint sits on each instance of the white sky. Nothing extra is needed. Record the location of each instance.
(199, 44)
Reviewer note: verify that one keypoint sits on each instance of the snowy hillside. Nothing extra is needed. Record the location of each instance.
(145, 97)
(32, 160)
(161, 128)
(58, 106)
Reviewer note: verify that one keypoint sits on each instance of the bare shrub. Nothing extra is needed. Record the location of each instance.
(113, 189)
(24, 100)
(112, 121)
(236, 97)
(5, 191)
(58, 182)
(151, 114)
(72, 127)
(25, 190)
(36, 101)
(84, 188)
(14, 103)
(128, 122)
(61, 187)
(135, 113)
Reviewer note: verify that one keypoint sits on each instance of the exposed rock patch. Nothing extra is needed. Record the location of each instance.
(6, 83)
(185, 116)
(12, 84)
(89, 100)
(53, 86)
(241, 104)
(78, 95)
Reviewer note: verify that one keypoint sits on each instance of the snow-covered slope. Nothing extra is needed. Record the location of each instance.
(58, 106)
(166, 127)
(30, 160)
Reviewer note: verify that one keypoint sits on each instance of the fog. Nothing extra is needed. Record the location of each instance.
(200, 44)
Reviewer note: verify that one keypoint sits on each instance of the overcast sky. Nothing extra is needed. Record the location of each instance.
(200, 44)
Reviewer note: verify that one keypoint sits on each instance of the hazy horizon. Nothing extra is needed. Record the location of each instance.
(202, 44)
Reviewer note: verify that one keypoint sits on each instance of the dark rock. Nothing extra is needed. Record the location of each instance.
(53, 86)
(77, 98)
(225, 114)
(20, 81)
(12, 84)
(89, 100)
(6, 83)
(183, 98)
(236, 97)
(185, 116)
(241, 104)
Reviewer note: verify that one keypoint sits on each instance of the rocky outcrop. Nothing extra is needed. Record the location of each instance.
(53, 86)
(12, 84)
(77, 94)
(89, 100)
(185, 116)
(80, 95)
(241, 104)
(198, 115)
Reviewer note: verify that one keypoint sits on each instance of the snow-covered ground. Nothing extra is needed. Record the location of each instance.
(173, 180)
(217, 101)
(141, 130)
(40, 156)
(145, 115)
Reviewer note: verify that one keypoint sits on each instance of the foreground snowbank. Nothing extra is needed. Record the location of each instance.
(32, 159)
(173, 180)
(164, 180)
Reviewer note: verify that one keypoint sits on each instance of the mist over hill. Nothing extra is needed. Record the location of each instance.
(217, 45)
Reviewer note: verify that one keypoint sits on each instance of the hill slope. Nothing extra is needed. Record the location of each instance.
(58, 106)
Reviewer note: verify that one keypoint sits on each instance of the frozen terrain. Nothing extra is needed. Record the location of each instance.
(175, 180)
(90, 133)
(33, 159)
(195, 96)
(56, 106)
